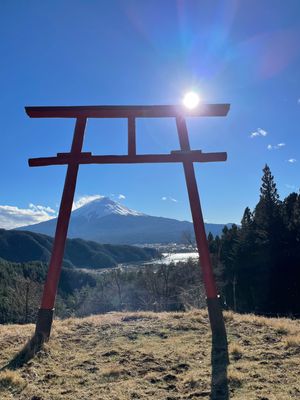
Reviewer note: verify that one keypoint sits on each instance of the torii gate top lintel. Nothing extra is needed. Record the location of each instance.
(140, 111)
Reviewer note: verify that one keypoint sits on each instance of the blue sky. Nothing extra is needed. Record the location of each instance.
(246, 53)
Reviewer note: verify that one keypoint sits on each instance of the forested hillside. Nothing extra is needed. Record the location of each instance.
(19, 246)
(21, 287)
(160, 288)
(259, 262)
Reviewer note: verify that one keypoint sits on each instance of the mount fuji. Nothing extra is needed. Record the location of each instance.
(106, 221)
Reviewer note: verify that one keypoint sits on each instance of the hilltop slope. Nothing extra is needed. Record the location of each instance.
(153, 356)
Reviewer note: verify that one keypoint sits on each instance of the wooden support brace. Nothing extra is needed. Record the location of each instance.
(87, 158)
(131, 137)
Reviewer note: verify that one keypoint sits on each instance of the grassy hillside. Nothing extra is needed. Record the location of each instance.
(153, 356)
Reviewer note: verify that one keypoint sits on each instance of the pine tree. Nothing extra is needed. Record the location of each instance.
(247, 218)
(291, 255)
(267, 211)
(270, 238)
(229, 261)
(251, 284)
(268, 190)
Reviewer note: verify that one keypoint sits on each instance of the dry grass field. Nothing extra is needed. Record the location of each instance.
(152, 356)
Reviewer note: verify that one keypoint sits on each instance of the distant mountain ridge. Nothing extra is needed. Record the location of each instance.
(21, 246)
(106, 221)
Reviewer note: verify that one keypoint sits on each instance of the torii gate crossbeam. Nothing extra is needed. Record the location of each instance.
(75, 157)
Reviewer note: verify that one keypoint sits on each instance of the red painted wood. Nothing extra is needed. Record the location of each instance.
(198, 222)
(203, 110)
(131, 136)
(82, 154)
(193, 156)
(55, 264)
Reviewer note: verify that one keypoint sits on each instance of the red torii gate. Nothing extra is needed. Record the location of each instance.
(76, 157)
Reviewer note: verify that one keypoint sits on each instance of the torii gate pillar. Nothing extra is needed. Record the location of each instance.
(46, 311)
(75, 157)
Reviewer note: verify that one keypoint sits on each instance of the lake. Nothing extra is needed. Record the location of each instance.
(169, 258)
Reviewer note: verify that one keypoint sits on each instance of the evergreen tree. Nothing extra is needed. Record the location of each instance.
(211, 242)
(269, 229)
(229, 261)
(267, 211)
(252, 272)
(290, 276)
(247, 220)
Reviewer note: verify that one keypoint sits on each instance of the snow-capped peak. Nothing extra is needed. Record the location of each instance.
(101, 207)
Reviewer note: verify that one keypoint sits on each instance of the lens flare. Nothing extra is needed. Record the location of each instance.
(191, 100)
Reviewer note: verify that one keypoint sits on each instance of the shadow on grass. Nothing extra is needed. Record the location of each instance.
(31, 348)
(219, 363)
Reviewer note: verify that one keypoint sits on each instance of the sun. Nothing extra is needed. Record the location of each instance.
(191, 100)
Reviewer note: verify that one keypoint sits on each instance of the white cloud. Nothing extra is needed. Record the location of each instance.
(41, 208)
(12, 217)
(262, 132)
(275, 146)
(121, 197)
(292, 160)
(164, 198)
(84, 200)
(258, 132)
(298, 101)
